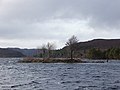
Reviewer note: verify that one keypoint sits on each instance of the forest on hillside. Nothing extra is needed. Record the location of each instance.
(112, 53)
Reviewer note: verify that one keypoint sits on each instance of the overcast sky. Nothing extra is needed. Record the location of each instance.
(30, 23)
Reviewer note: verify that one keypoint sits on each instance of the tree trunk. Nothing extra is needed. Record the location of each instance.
(43, 54)
(49, 54)
(71, 54)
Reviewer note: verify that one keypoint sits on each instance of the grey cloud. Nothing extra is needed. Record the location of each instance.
(58, 19)
(101, 12)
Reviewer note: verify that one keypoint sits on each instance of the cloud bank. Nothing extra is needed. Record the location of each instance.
(29, 23)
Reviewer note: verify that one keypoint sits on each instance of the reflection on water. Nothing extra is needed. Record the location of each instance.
(38, 76)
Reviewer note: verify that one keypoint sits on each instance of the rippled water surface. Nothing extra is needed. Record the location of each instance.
(38, 76)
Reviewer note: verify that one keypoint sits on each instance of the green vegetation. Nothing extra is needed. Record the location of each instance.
(112, 53)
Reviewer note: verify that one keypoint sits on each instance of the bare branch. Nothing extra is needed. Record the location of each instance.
(71, 44)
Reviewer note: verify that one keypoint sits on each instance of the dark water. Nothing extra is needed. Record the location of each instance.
(38, 76)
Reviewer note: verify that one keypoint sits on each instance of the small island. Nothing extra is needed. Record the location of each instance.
(51, 60)
(57, 60)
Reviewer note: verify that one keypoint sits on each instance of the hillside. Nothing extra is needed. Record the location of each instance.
(98, 43)
(10, 53)
(26, 52)
(83, 47)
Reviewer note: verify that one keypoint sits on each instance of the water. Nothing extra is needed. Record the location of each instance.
(38, 76)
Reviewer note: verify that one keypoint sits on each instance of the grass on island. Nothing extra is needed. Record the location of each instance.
(50, 60)
(56, 60)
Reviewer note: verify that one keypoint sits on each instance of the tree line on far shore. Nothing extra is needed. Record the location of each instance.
(112, 53)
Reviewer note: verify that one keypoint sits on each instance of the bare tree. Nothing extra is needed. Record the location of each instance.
(44, 49)
(50, 47)
(71, 44)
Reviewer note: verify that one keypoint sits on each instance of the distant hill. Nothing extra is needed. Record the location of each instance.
(26, 52)
(82, 48)
(10, 53)
(98, 43)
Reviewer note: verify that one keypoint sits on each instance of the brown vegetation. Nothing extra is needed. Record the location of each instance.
(51, 60)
